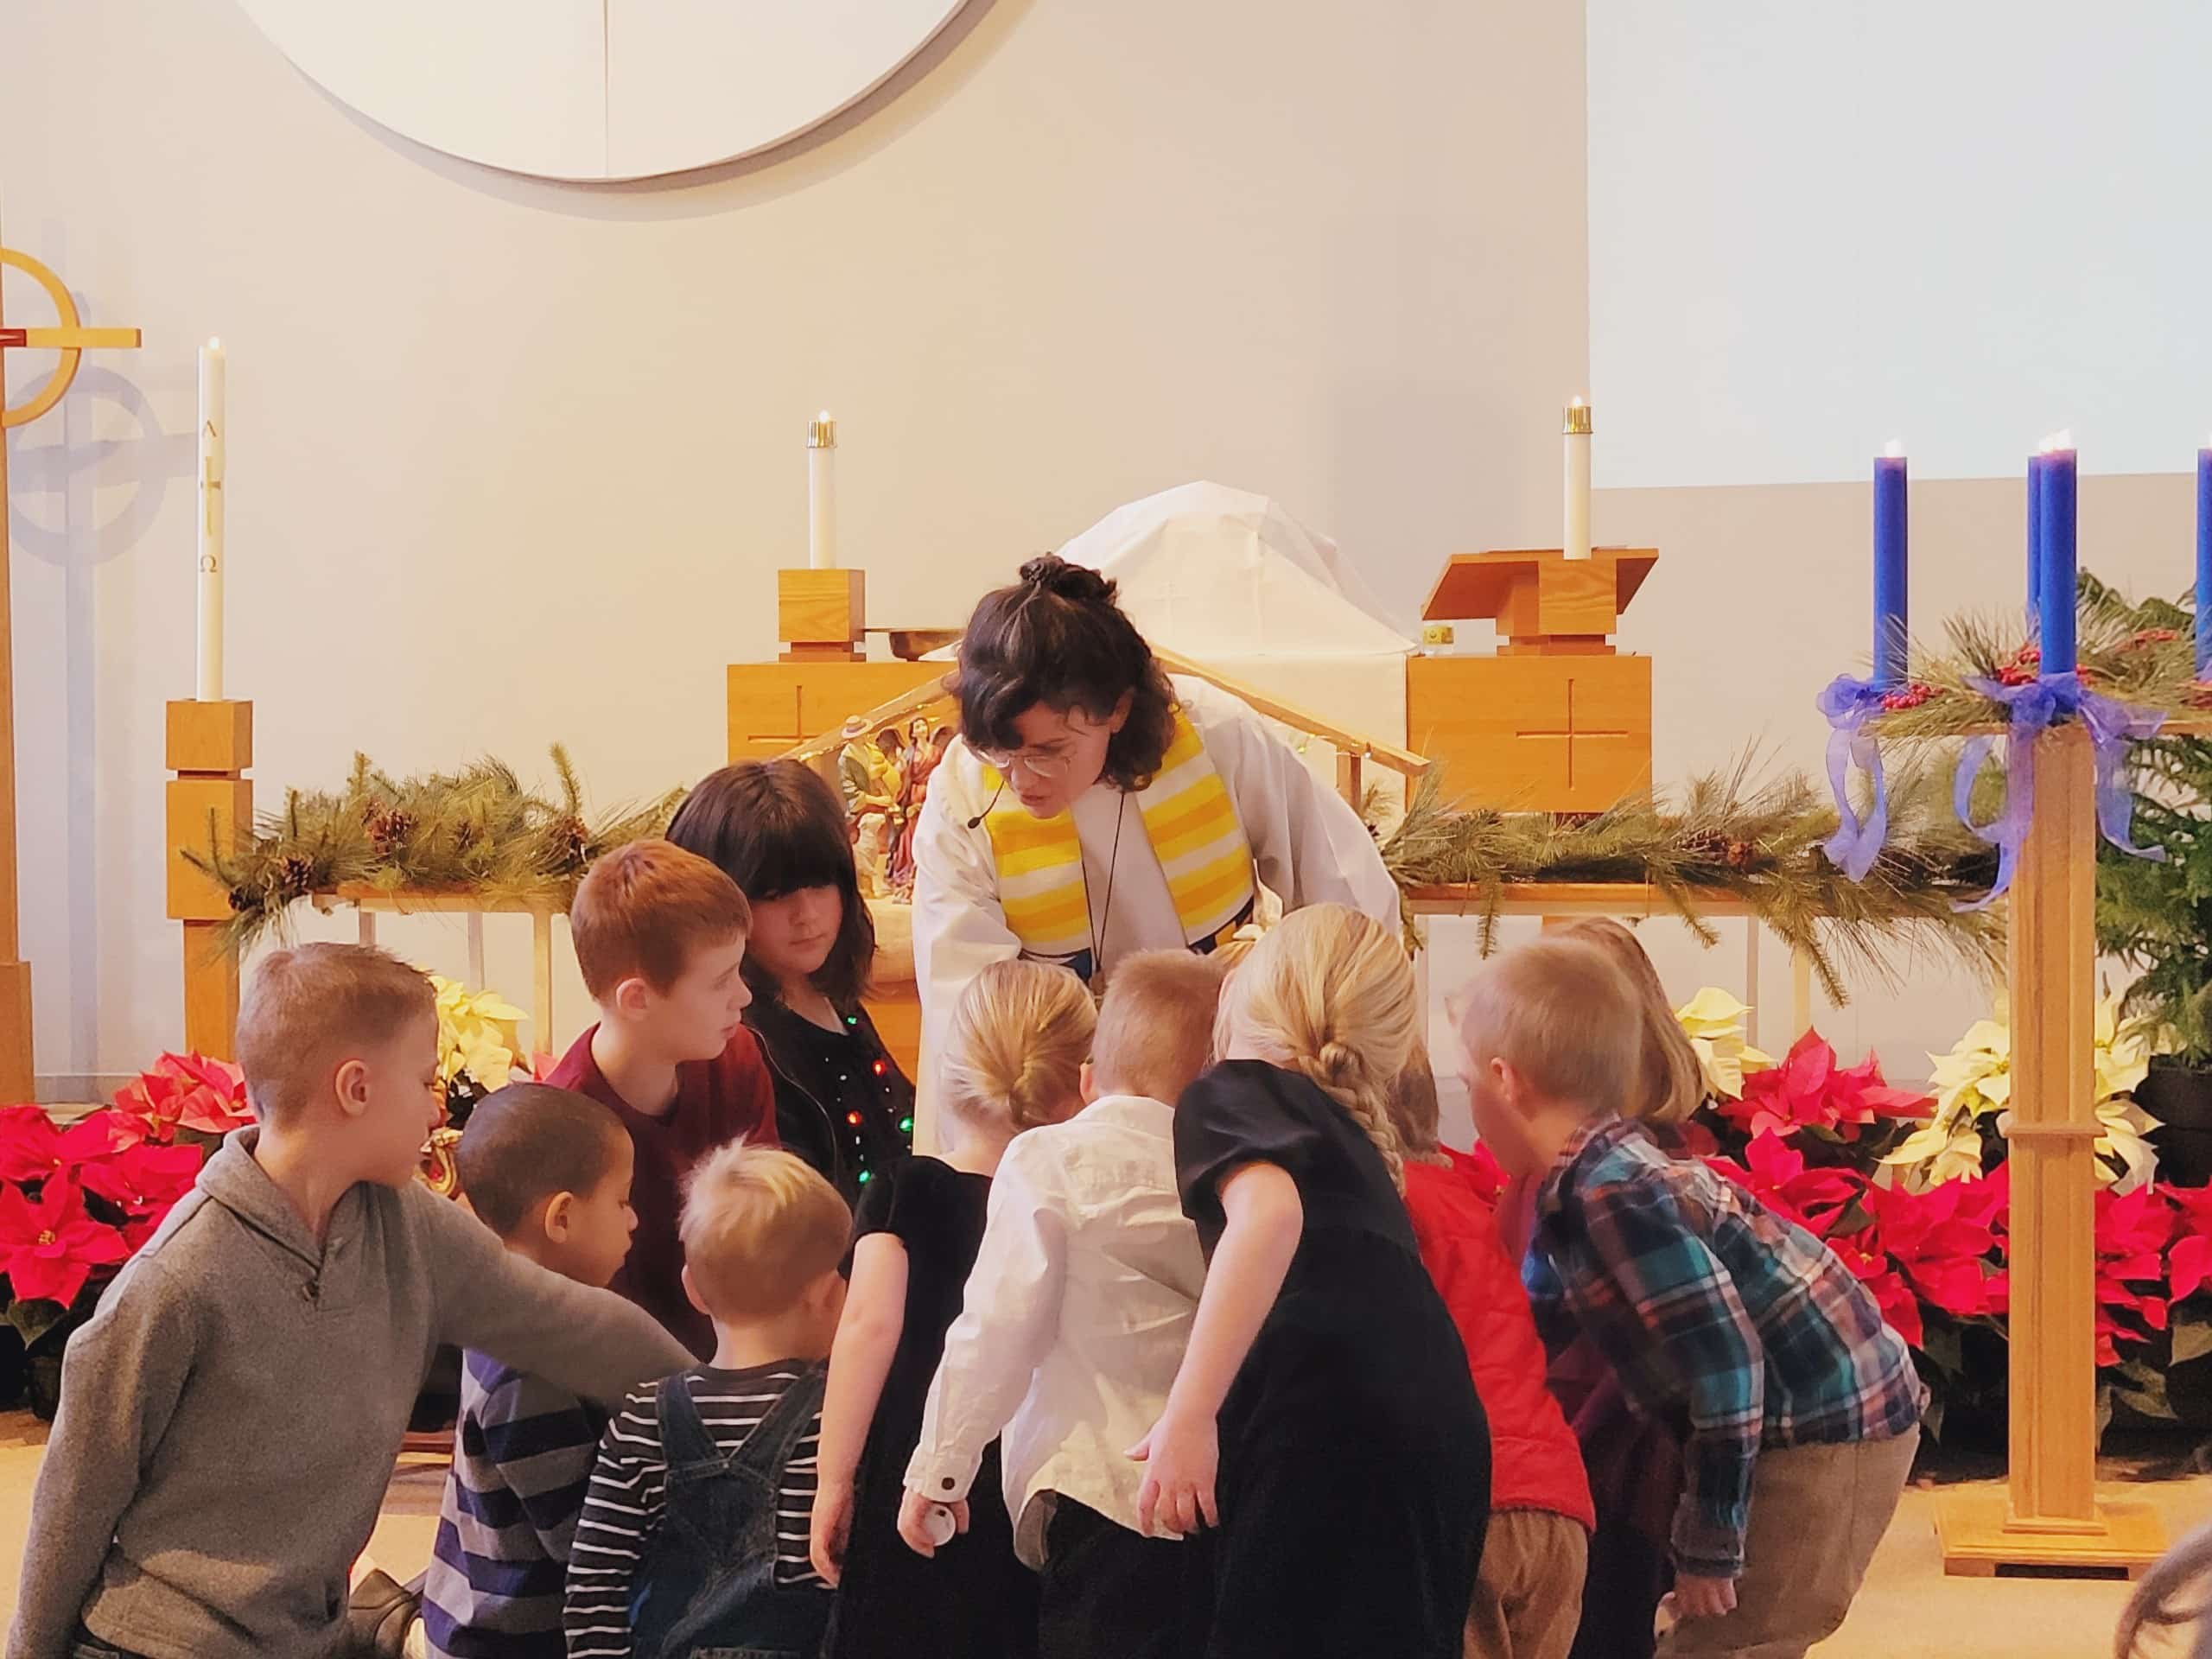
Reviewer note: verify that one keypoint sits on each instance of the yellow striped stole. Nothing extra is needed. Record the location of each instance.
(1190, 824)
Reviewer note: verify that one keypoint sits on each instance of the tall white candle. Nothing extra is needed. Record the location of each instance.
(213, 428)
(1577, 441)
(822, 493)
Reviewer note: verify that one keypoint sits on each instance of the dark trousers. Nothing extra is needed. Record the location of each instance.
(1107, 1593)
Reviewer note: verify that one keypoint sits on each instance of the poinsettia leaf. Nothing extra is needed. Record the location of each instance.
(1942, 1345)
(1931, 1421)
(2192, 1337)
(34, 1316)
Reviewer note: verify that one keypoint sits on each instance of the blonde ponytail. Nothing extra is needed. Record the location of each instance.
(1329, 994)
(1020, 1035)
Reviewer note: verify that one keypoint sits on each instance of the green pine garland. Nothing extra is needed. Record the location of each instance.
(477, 831)
(1758, 841)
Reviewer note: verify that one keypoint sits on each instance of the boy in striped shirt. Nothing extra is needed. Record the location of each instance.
(694, 1531)
(548, 1171)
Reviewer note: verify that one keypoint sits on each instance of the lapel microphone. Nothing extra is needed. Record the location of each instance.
(988, 804)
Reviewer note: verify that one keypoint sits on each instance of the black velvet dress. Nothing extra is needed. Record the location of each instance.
(974, 1599)
(1354, 1459)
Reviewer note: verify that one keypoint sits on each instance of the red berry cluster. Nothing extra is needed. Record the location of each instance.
(1911, 697)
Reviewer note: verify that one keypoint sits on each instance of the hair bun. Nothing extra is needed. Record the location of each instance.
(1055, 575)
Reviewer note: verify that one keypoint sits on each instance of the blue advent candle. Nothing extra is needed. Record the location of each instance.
(2035, 538)
(2057, 584)
(2203, 560)
(1889, 567)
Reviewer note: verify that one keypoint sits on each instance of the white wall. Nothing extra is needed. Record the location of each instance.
(1964, 223)
(513, 461)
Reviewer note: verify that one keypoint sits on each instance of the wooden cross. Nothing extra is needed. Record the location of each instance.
(71, 338)
(1570, 731)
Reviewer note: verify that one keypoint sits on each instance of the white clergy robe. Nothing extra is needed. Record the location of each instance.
(1308, 847)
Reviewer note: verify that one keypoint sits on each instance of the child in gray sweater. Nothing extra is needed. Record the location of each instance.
(231, 1414)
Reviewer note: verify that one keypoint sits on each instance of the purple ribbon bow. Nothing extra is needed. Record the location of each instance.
(2035, 707)
(1849, 704)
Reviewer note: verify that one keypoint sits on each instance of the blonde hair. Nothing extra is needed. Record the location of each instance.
(760, 1227)
(1673, 1082)
(1560, 1013)
(1020, 1034)
(311, 1005)
(1155, 1027)
(1329, 994)
(2163, 1600)
(1415, 1109)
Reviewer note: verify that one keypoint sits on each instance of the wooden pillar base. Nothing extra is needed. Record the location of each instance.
(1980, 1535)
(2048, 1515)
(16, 1079)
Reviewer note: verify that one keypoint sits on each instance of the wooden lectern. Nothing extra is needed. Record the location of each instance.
(1557, 720)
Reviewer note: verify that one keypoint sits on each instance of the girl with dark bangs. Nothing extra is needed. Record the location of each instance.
(778, 830)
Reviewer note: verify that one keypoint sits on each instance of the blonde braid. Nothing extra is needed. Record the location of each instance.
(1329, 994)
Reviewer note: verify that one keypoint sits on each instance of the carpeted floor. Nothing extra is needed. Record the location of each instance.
(1909, 1610)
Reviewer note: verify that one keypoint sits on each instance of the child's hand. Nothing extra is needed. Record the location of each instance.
(914, 1521)
(1701, 1598)
(831, 1527)
(1180, 1458)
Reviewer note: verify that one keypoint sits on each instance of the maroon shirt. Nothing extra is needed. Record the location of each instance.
(716, 1101)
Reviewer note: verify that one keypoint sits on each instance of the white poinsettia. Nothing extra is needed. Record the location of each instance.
(1974, 1081)
(1714, 1022)
(477, 1033)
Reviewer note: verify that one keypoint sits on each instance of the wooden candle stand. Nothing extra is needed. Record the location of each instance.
(1557, 720)
(209, 801)
(2050, 1516)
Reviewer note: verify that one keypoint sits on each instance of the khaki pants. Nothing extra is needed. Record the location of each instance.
(1528, 1594)
(1817, 1514)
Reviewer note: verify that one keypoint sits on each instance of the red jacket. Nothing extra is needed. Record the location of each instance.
(1534, 1462)
(716, 1101)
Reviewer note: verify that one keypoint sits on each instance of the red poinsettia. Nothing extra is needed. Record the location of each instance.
(2132, 1231)
(1862, 1253)
(1939, 1241)
(2188, 1264)
(187, 1092)
(144, 1181)
(1774, 1173)
(1809, 1089)
(32, 1147)
(50, 1244)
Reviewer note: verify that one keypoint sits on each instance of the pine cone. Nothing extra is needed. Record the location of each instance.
(388, 829)
(1740, 856)
(1703, 847)
(244, 898)
(570, 838)
(295, 876)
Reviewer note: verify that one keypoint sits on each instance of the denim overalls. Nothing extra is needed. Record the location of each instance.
(706, 1584)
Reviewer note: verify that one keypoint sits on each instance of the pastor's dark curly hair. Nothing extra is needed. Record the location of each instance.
(1057, 637)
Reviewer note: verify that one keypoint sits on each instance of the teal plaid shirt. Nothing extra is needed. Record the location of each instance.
(1719, 1317)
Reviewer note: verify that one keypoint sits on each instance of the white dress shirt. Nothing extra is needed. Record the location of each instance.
(1308, 847)
(1074, 1321)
